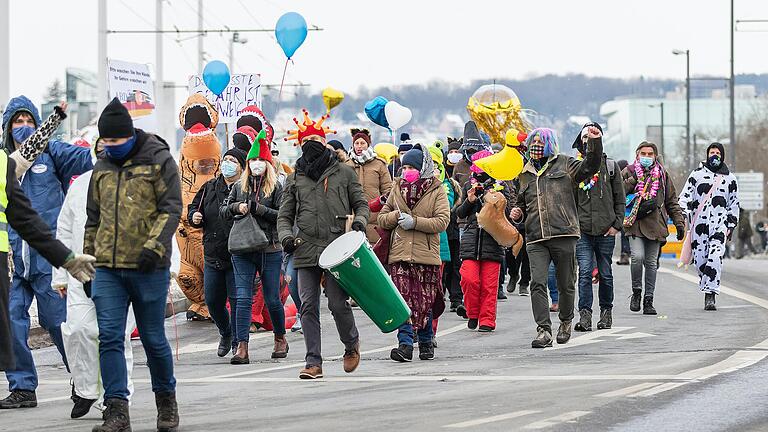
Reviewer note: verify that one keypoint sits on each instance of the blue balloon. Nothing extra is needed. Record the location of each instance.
(374, 109)
(216, 76)
(290, 31)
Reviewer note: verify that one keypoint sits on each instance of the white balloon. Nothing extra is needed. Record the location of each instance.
(397, 115)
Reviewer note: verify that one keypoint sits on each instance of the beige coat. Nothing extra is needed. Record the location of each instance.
(376, 181)
(420, 245)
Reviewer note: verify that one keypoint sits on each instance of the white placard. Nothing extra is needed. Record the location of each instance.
(243, 90)
(132, 84)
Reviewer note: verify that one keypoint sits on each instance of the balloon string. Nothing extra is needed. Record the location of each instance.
(282, 81)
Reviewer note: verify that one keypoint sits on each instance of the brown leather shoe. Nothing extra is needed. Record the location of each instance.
(311, 372)
(352, 358)
(241, 354)
(281, 347)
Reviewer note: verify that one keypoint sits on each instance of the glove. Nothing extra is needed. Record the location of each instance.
(80, 266)
(289, 245)
(148, 261)
(358, 226)
(406, 221)
(680, 233)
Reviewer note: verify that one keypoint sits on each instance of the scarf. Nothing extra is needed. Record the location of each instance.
(368, 155)
(412, 192)
(315, 159)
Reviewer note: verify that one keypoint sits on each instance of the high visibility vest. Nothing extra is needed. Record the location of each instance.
(4, 243)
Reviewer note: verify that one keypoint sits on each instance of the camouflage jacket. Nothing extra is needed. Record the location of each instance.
(133, 206)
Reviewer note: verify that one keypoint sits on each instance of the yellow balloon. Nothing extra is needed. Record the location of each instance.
(332, 98)
(386, 151)
(508, 163)
(495, 108)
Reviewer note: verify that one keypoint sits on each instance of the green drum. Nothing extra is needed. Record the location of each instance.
(351, 261)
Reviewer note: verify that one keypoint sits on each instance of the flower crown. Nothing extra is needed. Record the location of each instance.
(308, 127)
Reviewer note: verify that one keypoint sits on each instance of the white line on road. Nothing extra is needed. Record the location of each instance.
(661, 388)
(628, 390)
(486, 420)
(201, 347)
(568, 417)
(594, 337)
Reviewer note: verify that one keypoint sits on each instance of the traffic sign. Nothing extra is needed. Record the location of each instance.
(751, 190)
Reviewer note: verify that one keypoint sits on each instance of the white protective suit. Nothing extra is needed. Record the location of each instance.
(81, 330)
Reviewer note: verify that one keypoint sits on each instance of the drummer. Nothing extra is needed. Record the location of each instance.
(417, 211)
(319, 185)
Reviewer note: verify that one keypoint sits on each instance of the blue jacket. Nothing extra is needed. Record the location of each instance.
(45, 184)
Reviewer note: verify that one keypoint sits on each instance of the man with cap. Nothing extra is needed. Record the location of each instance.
(134, 207)
(600, 201)
(711, 203)
(46, 182)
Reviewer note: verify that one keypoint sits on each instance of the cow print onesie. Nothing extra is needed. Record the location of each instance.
(719, 216)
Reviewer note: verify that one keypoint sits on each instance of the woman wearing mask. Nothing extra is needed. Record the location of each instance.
(417, 212)
(218, 278)
(371, 172)
(713, 215)
(258, 193)
(649, 180)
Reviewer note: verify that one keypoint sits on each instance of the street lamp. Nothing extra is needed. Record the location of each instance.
(661, 141)
(687, 54)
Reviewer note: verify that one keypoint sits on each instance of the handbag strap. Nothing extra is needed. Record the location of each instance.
(715, 184)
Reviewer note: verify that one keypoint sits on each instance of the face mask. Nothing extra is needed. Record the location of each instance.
(21, 133)
(411, 176)
(454, 158)
(120, 151)
(646, 161)
(257, 167)
(536, 150)
(714, 161)
(228, 168)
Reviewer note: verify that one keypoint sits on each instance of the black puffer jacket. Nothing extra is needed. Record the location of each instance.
(476, 243)
(215, 228)
(263, 208)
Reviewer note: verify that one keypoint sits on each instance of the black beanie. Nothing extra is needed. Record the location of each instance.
(414, 158)
(115, 121)
(241, 142)
(237, 154)
(718, 146)
(336, 144)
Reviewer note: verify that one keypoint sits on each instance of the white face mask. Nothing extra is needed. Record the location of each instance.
(257, 167)
(454, 158)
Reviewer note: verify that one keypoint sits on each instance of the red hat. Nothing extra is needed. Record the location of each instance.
(365, 134)
(308, 128)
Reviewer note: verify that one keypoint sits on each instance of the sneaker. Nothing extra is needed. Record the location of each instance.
(511, 286)
(461, 311)
(19, 399)
(606, 319)
(426, 351)
(311, 372)
(352, 358)
(564, 332)
(709, 302)
(648, 308)
(634, 302)
(225, 344)
(82, 405)
(485, 329)
(501, 295)
(543, 339)
(472, 323)
(297, 326)
(585, 321)
(455, 304)
(403, 353)
(523, 291)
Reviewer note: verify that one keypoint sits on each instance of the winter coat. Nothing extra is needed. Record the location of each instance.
(420, 245)
(476, 244)
(654, 226)
(319, 209)
(461, 172)
(45, 183)
(134, 206)
(70, 228)
(547, 198)
(602, 207)
(376, 181)
(208, 201)
(263, 208)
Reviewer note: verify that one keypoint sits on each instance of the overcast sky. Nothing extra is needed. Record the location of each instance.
(371, 43)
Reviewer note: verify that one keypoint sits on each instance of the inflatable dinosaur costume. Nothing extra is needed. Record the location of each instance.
(199, 162)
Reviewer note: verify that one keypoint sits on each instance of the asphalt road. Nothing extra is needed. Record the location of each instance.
(685, 369)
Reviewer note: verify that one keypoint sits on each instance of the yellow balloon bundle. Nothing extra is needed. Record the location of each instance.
(496, 109)
(386, 151)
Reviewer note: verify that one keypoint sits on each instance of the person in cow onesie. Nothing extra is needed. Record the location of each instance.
(712, 215)
(199, 162)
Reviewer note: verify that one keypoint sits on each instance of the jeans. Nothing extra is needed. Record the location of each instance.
(601, 248)
(219, 286)
(291, 274)
(552, 282)
(113, 290)
(561, 251)
(405, 333)
(645, 253)
(245, 266)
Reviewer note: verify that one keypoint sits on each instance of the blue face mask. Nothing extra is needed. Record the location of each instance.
(120, 151)
(646, 161)
(21, 133)
(228, 169)
(714, 161)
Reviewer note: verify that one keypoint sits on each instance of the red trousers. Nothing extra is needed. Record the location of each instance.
(480, 284)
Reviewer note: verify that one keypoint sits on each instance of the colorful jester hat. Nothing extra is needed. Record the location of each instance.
(260, 148)
(308, 127)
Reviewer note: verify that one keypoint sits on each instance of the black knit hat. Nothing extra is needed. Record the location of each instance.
(414, 158)
(115, 121)
(455, 143)
(336, 144)
(237, 154)
(405, 143)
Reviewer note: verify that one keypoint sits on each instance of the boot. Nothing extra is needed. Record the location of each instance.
(543, 338)
(281, 347)
(19, 399)
(648, 308)
(511, 286)
(623, 260)
(352, 358)
(116, 417)
(564, 332)
(606, 319)
(241, 355)
(709, 302)
(585, 321)
(500, 295)
(523, 292)
(403, 353)
(167, 412)
(634, 302)
(472, 323)
(426, 351)
(225, 344)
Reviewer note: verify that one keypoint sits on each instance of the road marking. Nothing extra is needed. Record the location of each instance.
(568, 417)
(658, 389)
(201, 347)
(486, 420)
(723, 289)
(54, 399)
(594, 337)
(628, 390)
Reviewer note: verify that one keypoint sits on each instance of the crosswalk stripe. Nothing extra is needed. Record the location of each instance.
(492, 419)
(552, 421)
